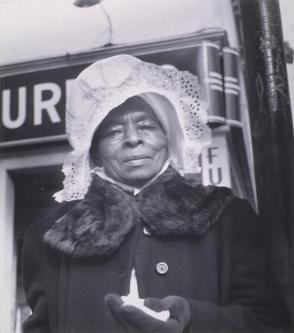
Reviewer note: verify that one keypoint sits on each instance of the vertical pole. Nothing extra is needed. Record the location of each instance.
(7, 253)
(272, 132)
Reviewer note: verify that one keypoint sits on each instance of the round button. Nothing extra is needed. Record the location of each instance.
(161, 268)
(146, 232)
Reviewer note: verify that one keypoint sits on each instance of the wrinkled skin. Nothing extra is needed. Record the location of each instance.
(130, 143)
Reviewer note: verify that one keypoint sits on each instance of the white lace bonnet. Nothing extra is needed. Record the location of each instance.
(108, 83)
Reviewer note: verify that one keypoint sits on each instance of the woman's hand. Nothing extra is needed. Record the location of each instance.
(132, 319)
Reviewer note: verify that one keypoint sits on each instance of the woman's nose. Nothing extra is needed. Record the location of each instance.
(132, 136)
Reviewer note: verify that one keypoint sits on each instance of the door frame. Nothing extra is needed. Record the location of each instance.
(8, 258)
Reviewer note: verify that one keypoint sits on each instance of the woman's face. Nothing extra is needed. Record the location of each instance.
(132, 146)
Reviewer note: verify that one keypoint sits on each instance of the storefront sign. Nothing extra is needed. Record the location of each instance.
(33, 105)
(215, 162)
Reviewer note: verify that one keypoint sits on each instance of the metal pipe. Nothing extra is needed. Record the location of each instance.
(272, 133)
(109, 25)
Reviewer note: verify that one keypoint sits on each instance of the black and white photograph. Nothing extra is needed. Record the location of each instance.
(147, 166)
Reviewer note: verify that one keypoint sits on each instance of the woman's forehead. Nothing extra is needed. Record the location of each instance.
(135, 109)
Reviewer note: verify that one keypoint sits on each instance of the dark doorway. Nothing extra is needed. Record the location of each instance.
(34, 188)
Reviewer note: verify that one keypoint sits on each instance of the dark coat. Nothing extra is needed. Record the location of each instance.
(211, 241)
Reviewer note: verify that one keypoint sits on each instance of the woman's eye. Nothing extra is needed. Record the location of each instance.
(146, 127)
(113, 132)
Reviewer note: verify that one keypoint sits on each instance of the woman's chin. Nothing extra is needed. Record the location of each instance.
(139, 175)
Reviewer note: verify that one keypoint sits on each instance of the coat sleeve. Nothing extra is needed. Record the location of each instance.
(250, 302)
(33, 280)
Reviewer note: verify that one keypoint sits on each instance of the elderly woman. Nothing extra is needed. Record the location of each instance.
(131, 224)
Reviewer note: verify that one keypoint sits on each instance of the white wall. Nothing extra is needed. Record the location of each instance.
(34, 29)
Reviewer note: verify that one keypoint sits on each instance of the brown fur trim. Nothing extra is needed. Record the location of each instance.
(177, 207)
(98, 224)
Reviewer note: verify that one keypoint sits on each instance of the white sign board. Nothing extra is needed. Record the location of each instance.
(216, 163)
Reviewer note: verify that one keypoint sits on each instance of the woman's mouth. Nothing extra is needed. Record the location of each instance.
(136, 160)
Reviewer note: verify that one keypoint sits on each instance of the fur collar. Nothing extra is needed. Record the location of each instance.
(98, 224)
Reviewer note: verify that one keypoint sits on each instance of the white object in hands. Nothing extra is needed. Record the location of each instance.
(139, 303)
(134, 299)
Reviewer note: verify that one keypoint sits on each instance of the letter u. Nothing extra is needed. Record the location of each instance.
(219, 177)
(6, 99)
